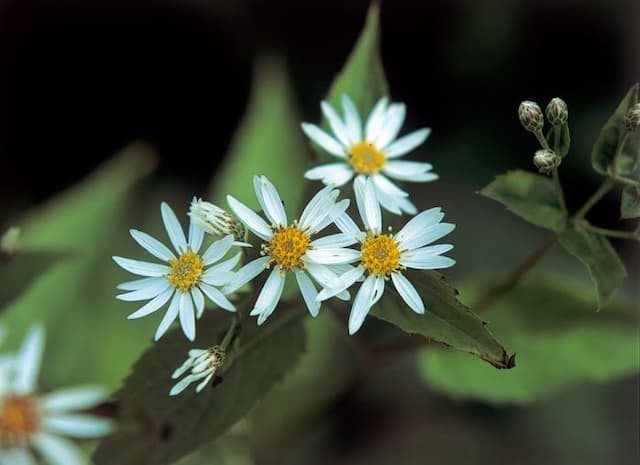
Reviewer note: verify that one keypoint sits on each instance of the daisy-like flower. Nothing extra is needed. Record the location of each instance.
(29, 420)
(383, 256)
(289, 248)
(184, 278)
(203, 364)
(371, 151)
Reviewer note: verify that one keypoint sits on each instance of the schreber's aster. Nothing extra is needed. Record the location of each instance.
(185, 277)
(289, 248)
(370, 152)
(383, 256)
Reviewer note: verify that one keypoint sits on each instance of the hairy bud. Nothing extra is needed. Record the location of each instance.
(632, 118)
(557, 112)
(546, 160)
(530, 116)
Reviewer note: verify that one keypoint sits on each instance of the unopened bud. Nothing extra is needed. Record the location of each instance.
(530, 116)
(215, 220)
(632, 118)
(557, 112)
(546, 160)
(10, 242)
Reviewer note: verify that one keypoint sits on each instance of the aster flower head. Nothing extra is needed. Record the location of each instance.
(215, 220)
(185, 277)
(32, 421)
(370, 151)
(201, 365)
(383, 256)
(289, 248)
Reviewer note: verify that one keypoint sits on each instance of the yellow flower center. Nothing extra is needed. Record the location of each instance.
(365, 158)
(380, 254)
(185, 271)
(287, 246)
(18, 419)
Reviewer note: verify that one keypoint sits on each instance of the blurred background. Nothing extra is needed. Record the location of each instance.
(79, 80)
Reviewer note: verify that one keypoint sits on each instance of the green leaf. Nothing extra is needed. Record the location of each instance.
(530, 196)
(604, 149)
(167, 428)
(559, 340)
(446, 319)
(362, 76)
(563, 143)
(268, 142)
(595, 251)
(630, 204)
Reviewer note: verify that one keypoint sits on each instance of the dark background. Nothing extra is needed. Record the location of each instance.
(80, 79)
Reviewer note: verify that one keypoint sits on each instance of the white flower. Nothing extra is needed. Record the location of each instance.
(202, 364)
(185, 278)
(30, 420)
(370, 151)
(216, 221)
(289, 248)
(384, 256)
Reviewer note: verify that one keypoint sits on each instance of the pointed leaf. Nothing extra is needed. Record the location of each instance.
(530, 196)
(630, 204)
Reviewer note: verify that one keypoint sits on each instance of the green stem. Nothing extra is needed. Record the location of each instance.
(610, 232)
(557, 130)
(595, 197)
(229, 336)
(541, 140)
(560, 192)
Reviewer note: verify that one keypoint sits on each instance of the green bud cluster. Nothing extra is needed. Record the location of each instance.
(546, 160)
(530, 116)
(557, 112)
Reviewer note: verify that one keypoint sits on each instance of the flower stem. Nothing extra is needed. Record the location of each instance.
(231, 333)
(633, 235)
(541, 140)
(595, 197)
(560, 192)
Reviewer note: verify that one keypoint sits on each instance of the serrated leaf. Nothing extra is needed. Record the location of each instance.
(268, 142)
(594, 250)
(559, 340)
(446, 319)
(530, 196)
(604, 149)
(167, 428)
(362, 77)
(630, 203)
(560, 140)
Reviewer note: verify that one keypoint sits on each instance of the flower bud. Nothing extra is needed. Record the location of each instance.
(530, 116)
(214, 220)
(632, 118)
(557, 112)
(546, 160)
(10, 242)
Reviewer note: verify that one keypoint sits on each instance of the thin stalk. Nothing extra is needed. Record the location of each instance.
(595, 197)
(611, 232)
(560, 192)
(229, 336)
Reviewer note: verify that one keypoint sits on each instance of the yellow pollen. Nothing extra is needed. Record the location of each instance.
(185, 271)
(365, 158)
(18, 419)
(380, 254)
(287, 246)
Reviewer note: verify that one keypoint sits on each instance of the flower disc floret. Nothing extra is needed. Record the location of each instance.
(185, 271)
(18, 419)
(365, 158)
(287, 246)
(380, 254)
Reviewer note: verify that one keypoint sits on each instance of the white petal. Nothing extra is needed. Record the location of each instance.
(316, 204)
(409, 170)
(362, 304)
(347, 225)
(187, 317)
(272, 202)
(77, 426)
(373, 217)
(383, 184)
(335, 211)
(428, 258)
(152, 290)
(142, 268)
(408, 292)
(345, 281)
(196, 236)
(416, 225)
(352, 120)
(76, 398)
(204, 383)
(335, 174)
(217, 297)
(331, 256)
(169, 317)
(427, 235)
(28, 361)
(138, 284)
(217, 278)
(337, 126)
(323, 139)
(174, 230)
(246, 274)
(152, 245)
(226, 265)
(198, 301)
(309, 292)
(376, 119)
(250, 218)
(17, 457)
(58, 451)
(407, 143)
(152, 305)
(358, 189)
(392, 124)
(270, 294)
(334, 240)
(322, 274)
(217, 250)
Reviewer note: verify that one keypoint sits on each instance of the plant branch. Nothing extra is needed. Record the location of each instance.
(595, 197)
(633, 235)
